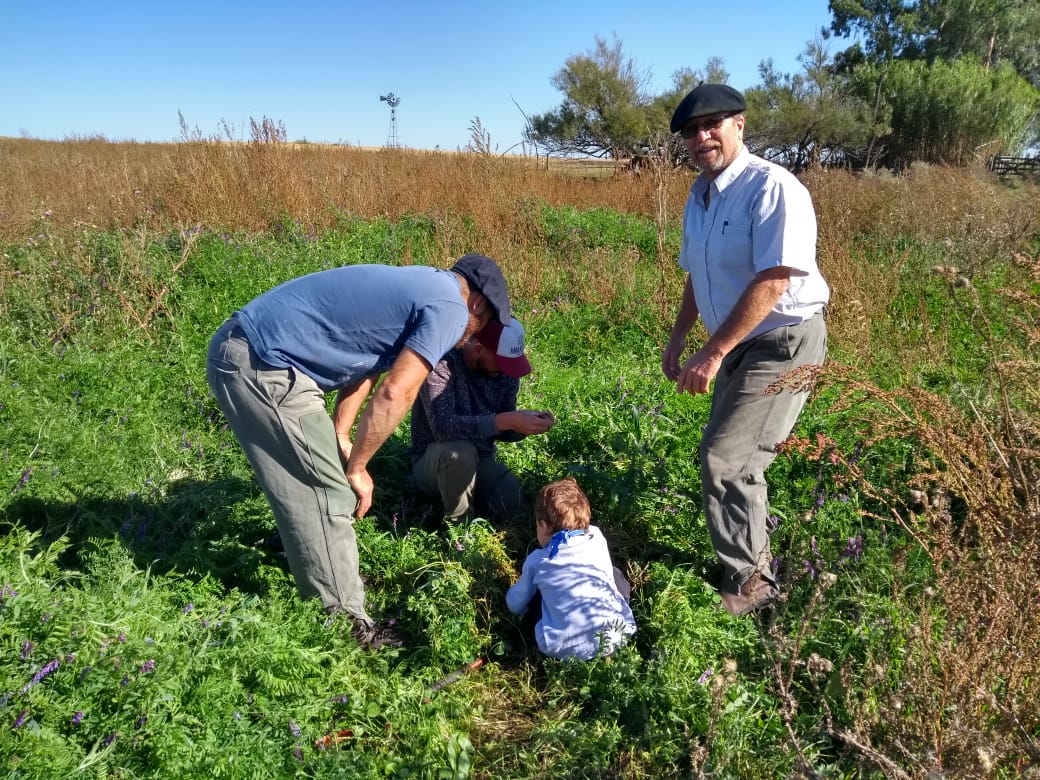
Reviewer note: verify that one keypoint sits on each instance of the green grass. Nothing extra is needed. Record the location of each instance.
(142, 583)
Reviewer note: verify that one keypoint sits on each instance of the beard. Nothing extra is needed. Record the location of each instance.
(471, 327)
(716, 163)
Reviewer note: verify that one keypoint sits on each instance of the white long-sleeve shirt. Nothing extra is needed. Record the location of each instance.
(583, 613)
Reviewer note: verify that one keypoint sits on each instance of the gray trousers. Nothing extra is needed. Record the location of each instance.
(281, 421)
(467, 484)
(739, 442)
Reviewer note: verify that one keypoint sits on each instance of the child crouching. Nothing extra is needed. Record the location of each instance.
(584, 598)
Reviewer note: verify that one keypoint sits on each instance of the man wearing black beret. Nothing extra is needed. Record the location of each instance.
(749, 250)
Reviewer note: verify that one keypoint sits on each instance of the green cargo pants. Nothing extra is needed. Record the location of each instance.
(281, 421)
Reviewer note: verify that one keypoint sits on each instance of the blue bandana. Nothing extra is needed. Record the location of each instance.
(558, 538)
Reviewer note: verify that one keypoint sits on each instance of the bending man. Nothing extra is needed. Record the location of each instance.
(271, 364)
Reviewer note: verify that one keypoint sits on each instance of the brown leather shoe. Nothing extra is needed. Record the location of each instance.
(756, 593)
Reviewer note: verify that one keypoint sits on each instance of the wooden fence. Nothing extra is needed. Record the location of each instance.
(1014, 166)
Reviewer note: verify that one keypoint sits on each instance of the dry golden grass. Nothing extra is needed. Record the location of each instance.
(489, 204)
(249, 185)
(479, 202)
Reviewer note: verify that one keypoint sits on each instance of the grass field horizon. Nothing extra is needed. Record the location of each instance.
(151, 628)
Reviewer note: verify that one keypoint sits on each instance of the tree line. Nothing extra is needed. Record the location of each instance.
(940, 81)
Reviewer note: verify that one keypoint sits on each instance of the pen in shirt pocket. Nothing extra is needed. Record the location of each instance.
(725, 224)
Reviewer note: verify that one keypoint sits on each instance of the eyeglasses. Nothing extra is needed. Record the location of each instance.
(694, 128)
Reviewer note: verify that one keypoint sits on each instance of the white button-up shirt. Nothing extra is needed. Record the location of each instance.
(759, 216)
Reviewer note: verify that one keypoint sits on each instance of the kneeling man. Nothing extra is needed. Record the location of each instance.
(466, 405)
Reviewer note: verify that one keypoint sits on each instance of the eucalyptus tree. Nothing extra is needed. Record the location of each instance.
(949, 81)
(994, 31)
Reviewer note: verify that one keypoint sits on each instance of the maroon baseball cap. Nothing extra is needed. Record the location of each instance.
(507, 342)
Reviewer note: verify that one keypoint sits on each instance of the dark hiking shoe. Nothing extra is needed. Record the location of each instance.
(373, 636)
(756, 593)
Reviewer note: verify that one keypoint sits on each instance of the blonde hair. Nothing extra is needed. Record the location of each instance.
(562, 506)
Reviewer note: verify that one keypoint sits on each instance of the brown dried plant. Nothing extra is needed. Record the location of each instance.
(966, 702)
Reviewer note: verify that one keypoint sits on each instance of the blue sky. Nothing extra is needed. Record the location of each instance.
(73, 68)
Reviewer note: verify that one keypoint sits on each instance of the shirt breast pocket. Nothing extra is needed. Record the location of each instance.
(734, 242)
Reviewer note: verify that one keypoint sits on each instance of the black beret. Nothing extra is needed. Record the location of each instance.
(483, 274)
(707, 99)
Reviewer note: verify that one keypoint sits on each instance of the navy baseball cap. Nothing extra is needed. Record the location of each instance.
(707, 99)
(483, 274)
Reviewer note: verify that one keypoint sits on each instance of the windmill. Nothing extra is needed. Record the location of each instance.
(392, 100)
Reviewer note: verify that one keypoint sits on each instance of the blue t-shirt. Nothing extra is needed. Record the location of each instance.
(342, 325)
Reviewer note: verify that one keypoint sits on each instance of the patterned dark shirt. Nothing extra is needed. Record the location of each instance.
(456, 404)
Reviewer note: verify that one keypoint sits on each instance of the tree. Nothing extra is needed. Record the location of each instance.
(949, 78)
(890, 29)
(605, 108)
(950, 112)
(994, 31)
(804, 119)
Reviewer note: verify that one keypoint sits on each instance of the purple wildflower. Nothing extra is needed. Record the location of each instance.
(294, 728)
(809, 568)
(459, 546)
(78, 717)
(70, 658)
(124, 682)
(50, 667)
(122, 637)
(148, 666)
(297, 753)
(20, 720)
(189, 607)
(25, 478)
(141, 721)
(27, 648)
(705, 676)
(854, 549)
(6, 594)
(111, 738)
